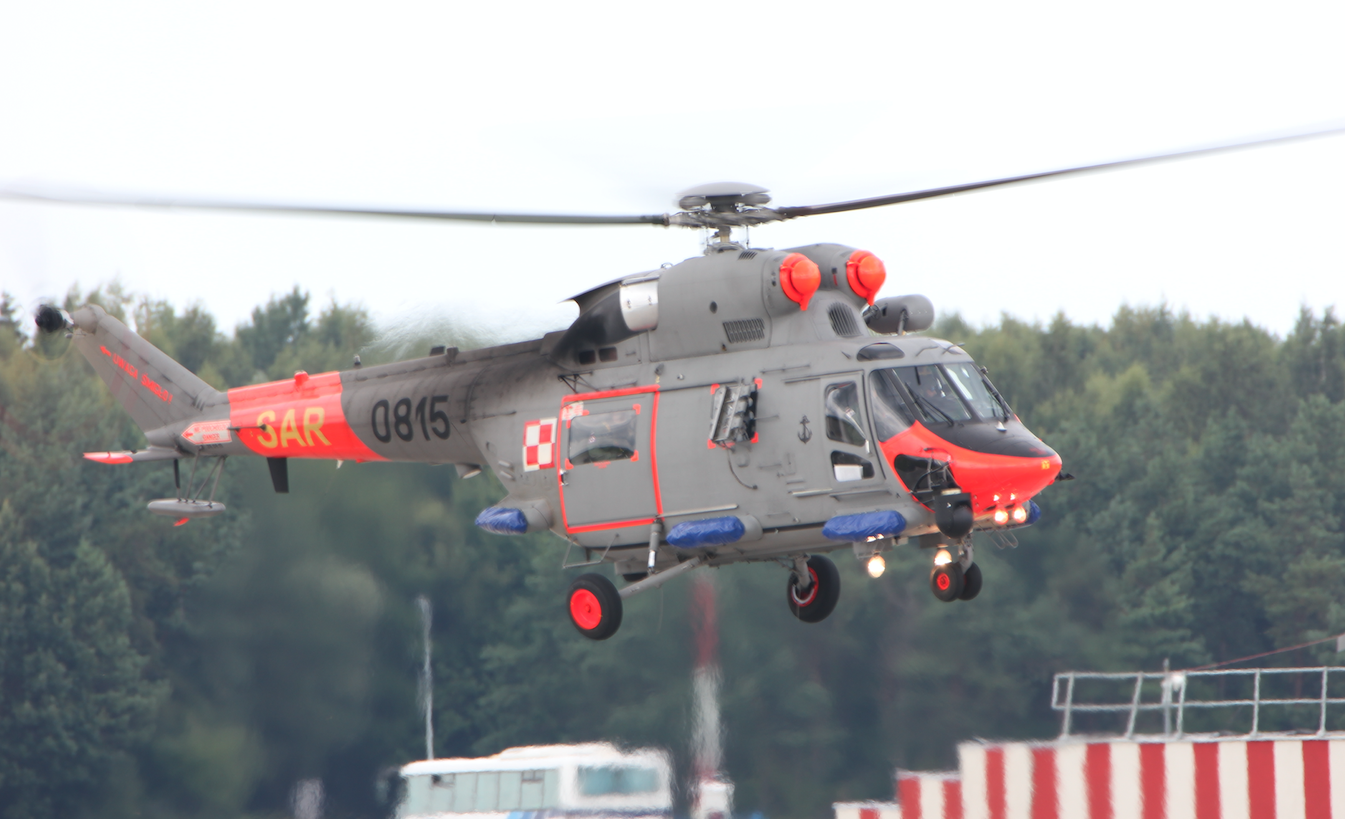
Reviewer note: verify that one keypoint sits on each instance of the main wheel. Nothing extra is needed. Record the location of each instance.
(946, 581)
(971, 583)
(813, 604)
(595, 606)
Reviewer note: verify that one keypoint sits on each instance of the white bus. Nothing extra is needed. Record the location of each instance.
(540, 782)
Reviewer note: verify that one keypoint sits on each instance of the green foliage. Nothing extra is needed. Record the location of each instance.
(202, 670)
(74, 691)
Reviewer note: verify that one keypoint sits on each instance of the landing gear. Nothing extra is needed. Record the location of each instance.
(946, 581)
(812, 603)
(595, 606)
(955, 578)
(971, 583)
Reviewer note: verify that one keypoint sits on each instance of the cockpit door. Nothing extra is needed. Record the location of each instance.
(608, 478)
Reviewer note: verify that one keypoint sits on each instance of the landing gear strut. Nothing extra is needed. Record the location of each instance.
(811, 602)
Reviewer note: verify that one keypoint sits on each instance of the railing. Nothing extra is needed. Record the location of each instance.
(1173, 700)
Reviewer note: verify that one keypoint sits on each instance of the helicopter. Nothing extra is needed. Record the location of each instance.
(744, 405)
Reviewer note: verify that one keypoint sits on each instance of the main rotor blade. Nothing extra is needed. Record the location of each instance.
(898, 198)
(322, 210)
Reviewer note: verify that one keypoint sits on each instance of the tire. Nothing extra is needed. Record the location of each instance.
(971, 583)
(821, 597)
(595, 606)
(946, 581)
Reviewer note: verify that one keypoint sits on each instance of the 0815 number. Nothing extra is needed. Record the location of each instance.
(397, 418)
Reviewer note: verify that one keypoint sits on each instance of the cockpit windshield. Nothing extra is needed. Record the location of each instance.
(932, 394)
(934, 398)
(975, 390)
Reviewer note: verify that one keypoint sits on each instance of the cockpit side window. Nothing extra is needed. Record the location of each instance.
(845, 418)
(890, 414)
(934, 397)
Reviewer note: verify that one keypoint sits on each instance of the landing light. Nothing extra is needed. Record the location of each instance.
(876, 566)
(1001, 517)
(942, 558)
(1020, 514)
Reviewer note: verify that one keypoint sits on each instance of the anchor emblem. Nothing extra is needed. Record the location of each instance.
(805, 435)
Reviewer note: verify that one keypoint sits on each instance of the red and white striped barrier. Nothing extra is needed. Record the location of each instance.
(1127, 779)
(927, 795)
(1234, 778)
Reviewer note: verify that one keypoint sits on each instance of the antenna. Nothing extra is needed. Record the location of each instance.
(426, 694)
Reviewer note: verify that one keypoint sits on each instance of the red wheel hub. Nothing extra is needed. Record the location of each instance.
(943, 581)
(585, 609)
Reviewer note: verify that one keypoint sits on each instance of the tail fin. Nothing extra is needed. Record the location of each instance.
(156, 390)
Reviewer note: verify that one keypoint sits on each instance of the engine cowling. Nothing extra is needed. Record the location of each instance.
(900, 314)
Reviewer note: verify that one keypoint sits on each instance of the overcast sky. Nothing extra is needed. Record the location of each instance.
(614, 107)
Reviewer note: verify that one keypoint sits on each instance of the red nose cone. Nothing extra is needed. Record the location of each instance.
(799, 278)
(866, 273)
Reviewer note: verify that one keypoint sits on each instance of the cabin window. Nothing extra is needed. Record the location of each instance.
(487, 791)
(601, 437)
(845, 419)
(614, 781)
(511, 783)
(481, 792)
(464, 793)
(607, 354)
(587, 357)
(848, 467)
(532, 793)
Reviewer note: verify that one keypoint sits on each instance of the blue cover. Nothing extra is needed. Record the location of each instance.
(708, 532)
(854, 528)
(502, 520)
(1033, 513)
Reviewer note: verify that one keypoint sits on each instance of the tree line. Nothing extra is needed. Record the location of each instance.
(154, 671)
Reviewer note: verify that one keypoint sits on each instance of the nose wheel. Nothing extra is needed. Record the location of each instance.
(955, 579)
(813, 601)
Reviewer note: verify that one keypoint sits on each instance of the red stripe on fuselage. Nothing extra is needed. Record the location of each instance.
(289, 419)
(1014, 479)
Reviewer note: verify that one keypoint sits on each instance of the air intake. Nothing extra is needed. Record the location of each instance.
(747, 254)
(843, 321)
(744, 330)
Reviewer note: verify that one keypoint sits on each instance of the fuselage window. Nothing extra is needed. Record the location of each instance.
(845, 419)
(848, 467)
(600, 437)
